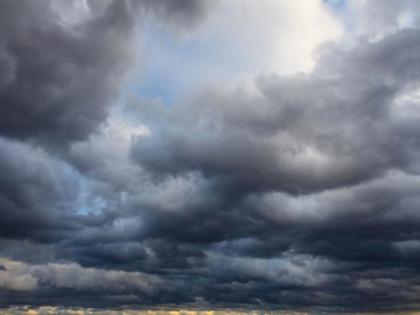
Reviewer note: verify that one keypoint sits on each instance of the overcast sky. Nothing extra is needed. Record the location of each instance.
(209, 157)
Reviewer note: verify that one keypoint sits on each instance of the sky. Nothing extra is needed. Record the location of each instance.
(209, 157)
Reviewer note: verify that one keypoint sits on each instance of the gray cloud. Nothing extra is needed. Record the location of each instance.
(60, 78)
(321, 164)
(36, 191)
(336, 127)
(180, 13)
(297, 191)
(63, 62)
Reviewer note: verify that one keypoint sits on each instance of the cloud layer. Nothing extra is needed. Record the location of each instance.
(284, 192)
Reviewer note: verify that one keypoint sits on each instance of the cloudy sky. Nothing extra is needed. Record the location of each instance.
(210, 157)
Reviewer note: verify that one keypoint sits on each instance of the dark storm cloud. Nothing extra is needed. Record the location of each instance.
(61, 67)
(323, 165)
(34, 192)
(62, 64)
(59, 78)
(298, 192)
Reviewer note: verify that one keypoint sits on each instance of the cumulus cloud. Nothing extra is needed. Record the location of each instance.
(335, 127)
(63, 63)
(35, 191)
(294, 191)
(60, 77)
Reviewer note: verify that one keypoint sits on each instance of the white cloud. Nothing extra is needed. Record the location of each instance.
(272, 35)
(240, 38)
